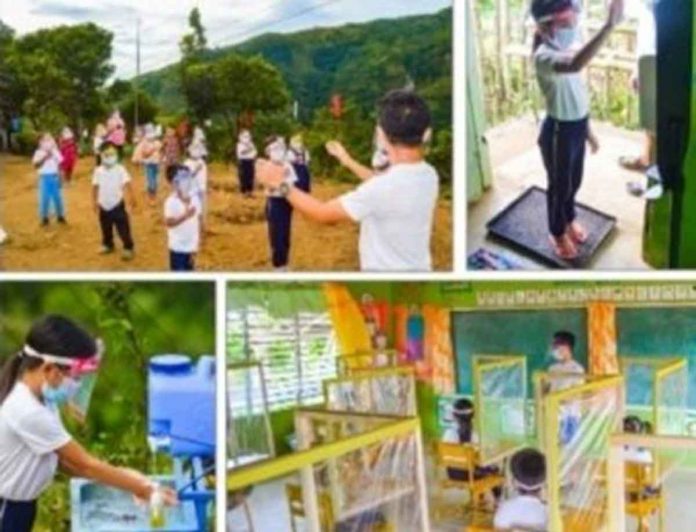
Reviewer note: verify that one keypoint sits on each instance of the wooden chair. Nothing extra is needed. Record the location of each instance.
(293, 492)
(463, 458)
(640, 502)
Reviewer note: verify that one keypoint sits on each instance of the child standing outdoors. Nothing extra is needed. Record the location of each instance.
(47, 160)
(182, 212)
(199, 172)
(149, 154)
(246, 156)
(69, 152)
(559, 62)
(171, 149)
(278, 209)
(298, 157)
(111, 187)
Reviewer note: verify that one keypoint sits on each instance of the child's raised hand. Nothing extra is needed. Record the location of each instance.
(336, 150)
(269, 174)
(616, 12)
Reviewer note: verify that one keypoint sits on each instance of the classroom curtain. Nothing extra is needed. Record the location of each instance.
(601, 321)
(348, 322)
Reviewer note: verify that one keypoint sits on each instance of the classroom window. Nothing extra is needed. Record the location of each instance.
(297, 352)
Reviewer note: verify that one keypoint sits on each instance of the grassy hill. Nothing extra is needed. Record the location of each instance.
(359, 61)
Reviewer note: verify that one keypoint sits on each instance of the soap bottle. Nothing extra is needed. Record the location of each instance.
(157, 518)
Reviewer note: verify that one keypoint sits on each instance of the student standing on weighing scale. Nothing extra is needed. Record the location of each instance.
(566, 372)
(559, 61)
(50, 372)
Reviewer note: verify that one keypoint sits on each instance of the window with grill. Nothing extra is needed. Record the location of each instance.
(297, 353)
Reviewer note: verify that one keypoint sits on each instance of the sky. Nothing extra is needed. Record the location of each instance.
(227, 21)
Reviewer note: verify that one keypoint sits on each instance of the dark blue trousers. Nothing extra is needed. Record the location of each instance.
(17, 516)
(279, 216)
(246, 172)
(180, 262)
(304, 179)
(563, 151)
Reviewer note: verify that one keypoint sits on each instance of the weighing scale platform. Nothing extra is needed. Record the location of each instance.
(523, 225)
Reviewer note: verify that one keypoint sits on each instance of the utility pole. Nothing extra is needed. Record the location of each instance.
(137, 73)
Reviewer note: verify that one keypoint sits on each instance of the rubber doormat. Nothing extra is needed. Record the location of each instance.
(523, 226)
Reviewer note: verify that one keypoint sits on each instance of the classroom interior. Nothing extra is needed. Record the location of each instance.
(340, 399)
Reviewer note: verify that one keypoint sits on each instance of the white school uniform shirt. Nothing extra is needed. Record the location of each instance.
(51, 165)
(199, 170)
(246, 151)
(290, 178)
(522, 511)
(111, 182)
(451, 435)
(566, 95)
(185, 237)
(568, 370)
(395, 210)
(30, 435)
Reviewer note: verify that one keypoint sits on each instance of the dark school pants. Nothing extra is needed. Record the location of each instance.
(246, 172)
(279, 216)
(17, 516)
(115, 218)
(180, 262)
(304, 178)
(562, 145)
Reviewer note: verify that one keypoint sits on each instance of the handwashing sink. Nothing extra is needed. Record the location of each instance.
(97, 508)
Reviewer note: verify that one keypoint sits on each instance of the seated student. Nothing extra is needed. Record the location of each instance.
(395, 208)
(463, 433)
(633, 454)
(526, 510)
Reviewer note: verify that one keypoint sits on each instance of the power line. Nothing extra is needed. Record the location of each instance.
(265, 25)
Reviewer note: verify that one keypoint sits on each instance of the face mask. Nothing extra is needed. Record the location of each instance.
(565, 37)
(46, 145)
(245, 138)
(109, 160)
(184, 186)
(60, 395)
(556, 355)
(196, 153)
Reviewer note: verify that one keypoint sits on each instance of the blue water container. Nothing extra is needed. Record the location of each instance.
(181, 404)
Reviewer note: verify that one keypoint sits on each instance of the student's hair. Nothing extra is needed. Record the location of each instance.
(463, 414)
(404, 117)
(54, 335)
(566, 338)
(528, 468)
(633, 425)
(542, 8)
(173, 170)
(106, 145)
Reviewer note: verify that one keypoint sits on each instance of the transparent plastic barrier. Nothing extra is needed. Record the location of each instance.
(378, 486)
(656, 392)
(579, 421)
(250, 437)
(500, 395)
(381, 392)
(636, 492)
(352, 472)
(356, 363)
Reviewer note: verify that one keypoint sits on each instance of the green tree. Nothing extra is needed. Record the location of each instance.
(62, 70)
(196, 80)
(246, 85)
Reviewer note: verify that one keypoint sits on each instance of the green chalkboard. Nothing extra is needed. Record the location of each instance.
(657, 332)
(521, 332)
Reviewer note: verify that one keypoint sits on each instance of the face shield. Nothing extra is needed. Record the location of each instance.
(80, 377)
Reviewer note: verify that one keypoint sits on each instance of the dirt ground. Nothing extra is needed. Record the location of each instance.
(236, 237)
